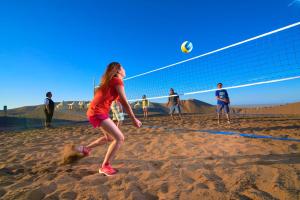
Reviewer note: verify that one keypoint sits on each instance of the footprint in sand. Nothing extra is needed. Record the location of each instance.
(50, 177)
(85, 172)
(69, 170)
(30, 163)
(47, 189)
(117, 182)
(260, 194)
(293, 147)
(81, 174)
(36, 194)
(76, 176)
(164, 188)
(54, 196)
(202, 186)
(186, 178)
(68, 195)
(6, 171)
(134, 192)
(155, 164)
(129, 179)
(217, 181)
(286, 182)
(2, 192)
(6, 183)
(149, 175)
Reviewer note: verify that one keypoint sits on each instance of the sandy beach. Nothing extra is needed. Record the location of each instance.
(68, 65)
(161, 160)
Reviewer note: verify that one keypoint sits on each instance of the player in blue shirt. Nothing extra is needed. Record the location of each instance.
(223, 102)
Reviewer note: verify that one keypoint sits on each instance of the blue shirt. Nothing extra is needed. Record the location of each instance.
(222, 94)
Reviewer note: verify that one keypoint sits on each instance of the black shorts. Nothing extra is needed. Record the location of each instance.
(48, 116)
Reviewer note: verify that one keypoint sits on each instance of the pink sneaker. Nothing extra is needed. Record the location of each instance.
(107, 170)
(84, 150)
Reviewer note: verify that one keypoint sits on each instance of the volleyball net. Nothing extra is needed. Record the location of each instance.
(267, 58)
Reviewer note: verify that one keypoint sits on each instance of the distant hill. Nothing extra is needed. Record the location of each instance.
(286, 109)
(33, 117)
(188, 106)
(37, 112)
(196, 106)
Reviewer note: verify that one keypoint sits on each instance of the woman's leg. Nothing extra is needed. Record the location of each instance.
(147, 113)
(100, 141)
(118, 139)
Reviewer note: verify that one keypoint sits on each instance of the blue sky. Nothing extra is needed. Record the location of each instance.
(60, 46)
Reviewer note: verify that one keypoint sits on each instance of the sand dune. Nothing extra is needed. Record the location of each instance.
(33, 116)
(187, 106)
(161, 160)
(36, 112)
(196, 106)
(287, 109)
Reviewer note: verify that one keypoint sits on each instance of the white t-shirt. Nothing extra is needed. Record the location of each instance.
(46, 102)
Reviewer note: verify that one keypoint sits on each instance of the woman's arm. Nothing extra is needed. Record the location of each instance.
(125, 104)
(123, 101)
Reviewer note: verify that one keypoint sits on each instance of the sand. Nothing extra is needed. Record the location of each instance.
(161, 160)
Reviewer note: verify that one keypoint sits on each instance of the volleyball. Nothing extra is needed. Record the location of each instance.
(186, 47)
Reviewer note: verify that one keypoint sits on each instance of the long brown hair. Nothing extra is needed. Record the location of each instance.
(111, 71)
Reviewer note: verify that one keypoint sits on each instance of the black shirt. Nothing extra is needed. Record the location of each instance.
(50, 104)
(173, 99)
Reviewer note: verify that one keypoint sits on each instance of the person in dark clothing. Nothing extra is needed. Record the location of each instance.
(174, 101)
(49, 109)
